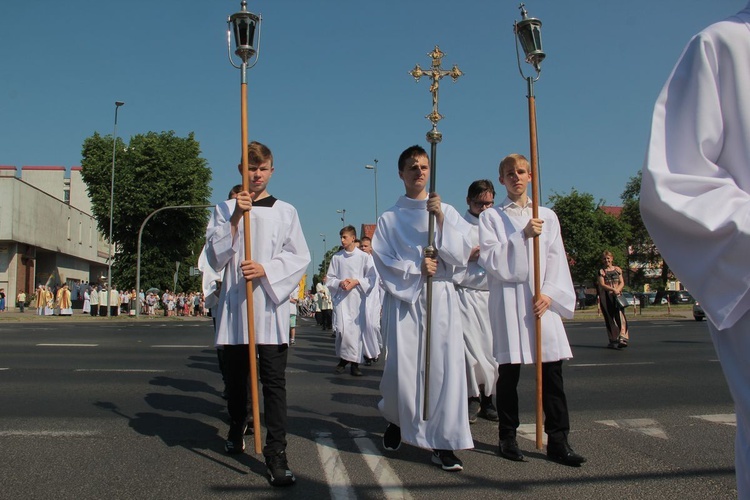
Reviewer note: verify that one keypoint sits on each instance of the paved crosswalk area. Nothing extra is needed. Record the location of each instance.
(133, 412)
(337, 456)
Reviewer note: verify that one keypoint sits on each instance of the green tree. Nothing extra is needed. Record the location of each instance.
(586, 232)
(154, 170)
(323, 266)
(643, 254)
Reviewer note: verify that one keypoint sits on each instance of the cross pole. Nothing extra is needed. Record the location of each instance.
(435, 73)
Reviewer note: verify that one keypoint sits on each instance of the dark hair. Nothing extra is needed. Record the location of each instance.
(480, 187)
(349, 230)
(365, 238)
(258, 153)
(411, 152)
(235, 190)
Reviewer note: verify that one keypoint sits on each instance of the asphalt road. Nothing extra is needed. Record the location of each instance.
(133, 409)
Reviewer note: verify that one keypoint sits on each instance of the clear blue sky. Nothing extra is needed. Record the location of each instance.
(332, 92)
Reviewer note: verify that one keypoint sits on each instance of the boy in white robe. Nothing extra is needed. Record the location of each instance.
(349, 278)
(473, 293)
(373, 341)
(397, 248)
(695, 197)
(506, 253)
(279, 259)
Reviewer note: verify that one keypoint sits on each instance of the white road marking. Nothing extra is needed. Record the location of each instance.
(166, 346)
(588, 365)
(333, 467)
(3, 369)
(49, 433)
(384, 474)
(67, 345)
(647, 426)
(719, 418)
(118, 370)
(528, 431)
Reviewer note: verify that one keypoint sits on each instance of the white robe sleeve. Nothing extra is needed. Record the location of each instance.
(401, 277)
(502, 248)
(210, 280)
(452, 241)
(557, 283)
(370, 278)
(285, 269)
(696, 177)
(333, 275)
(221, 246)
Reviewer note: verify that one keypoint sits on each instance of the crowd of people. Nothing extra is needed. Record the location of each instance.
(373, 299)
(95, 298)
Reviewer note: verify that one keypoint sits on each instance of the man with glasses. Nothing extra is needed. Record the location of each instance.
(473, 294)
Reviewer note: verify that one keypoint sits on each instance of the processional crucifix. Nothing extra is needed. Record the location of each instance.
(435, 73)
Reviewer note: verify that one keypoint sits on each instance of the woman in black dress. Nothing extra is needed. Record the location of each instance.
(610, 287)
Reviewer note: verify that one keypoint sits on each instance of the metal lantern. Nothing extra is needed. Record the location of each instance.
(244, 24)
(529, 33)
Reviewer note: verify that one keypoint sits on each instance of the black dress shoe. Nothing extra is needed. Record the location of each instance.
(562, 453)
(509, 449)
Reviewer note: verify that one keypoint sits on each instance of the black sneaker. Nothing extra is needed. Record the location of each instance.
(447, 460)
(235, 443)
(355, 371)
(392, 437)
(474, 407)
(278, 469)
(488, 411)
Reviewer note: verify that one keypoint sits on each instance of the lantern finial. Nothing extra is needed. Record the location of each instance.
(529, 33)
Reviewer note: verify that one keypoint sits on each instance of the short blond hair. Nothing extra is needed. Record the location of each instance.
(512, 160)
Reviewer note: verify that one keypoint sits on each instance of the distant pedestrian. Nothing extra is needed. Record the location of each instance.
(350, 277)
(610, 285)
(21, 299)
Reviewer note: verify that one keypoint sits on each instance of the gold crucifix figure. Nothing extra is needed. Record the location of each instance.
(436, 73)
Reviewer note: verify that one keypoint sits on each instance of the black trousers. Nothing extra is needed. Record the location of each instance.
(271, 368)
(554, 403)
(327, 319)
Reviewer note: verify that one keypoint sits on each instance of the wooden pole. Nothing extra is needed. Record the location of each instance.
(249, 284)
(533, 153)
(430, 252)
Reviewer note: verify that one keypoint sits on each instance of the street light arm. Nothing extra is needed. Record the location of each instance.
(140, 234)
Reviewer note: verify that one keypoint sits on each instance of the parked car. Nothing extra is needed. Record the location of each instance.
(652, 298)
(698, 313)
(679, 297)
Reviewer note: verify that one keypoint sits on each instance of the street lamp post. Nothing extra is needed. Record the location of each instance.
(343, 216)
(112, 206)
(324, 250)
(138, 252)
(374, 168)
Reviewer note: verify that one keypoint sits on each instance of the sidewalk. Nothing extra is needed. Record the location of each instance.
(648, 313)
(589, 314)
(30, 316)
